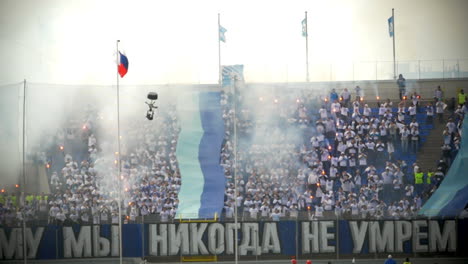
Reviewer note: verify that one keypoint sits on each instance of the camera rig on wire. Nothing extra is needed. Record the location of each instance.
(152, 96)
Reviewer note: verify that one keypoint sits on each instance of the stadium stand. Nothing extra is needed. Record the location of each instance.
(300, 156)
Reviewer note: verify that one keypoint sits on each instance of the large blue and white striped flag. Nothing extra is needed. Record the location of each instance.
(222, 30)
(390, 26)
(230, 72)
(304, 27)
(198, 154)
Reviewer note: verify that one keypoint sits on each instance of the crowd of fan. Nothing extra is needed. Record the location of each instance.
(304, 155)
(347, 168)
(85, 188)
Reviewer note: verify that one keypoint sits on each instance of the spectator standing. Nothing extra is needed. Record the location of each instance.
(346, 95)
(451, 127)
(405, 133)
(415, 99)
(429, 114)
(461, 98)
(229, 211)
(438, 94)
(401, 82)
(333, 96)
(359, 94)
(253, 212)
(412, 111)
(452, 104)
(440, 107)
(429, 176)
(390, 260)
(323, 113)
(446, 154)
(335, 108)
(319, 211)
(344, 113)
(275, 216)
(392, 131)
(367, 111)
(418, 181)
(415, 139)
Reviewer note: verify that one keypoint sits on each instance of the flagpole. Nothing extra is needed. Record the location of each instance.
(307, 49)
(118, 162)
(236, 231)
(219, 53)
(233, 91)
(394, 61)
(23, 172)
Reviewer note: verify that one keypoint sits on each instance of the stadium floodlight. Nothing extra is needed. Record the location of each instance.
(152, 96)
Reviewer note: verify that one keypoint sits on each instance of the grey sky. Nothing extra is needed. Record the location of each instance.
(73, 42)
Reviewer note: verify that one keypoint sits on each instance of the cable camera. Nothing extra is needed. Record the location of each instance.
(152, 96)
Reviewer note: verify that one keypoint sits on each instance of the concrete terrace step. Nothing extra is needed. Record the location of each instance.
(430, 151)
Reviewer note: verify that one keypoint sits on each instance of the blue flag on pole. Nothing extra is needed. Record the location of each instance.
(231, 72)
(304, 27)
(221, 33)
(390, 26)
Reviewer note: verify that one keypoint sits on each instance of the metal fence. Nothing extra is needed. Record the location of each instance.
(41, 218)
(327, 71)
(383, 70)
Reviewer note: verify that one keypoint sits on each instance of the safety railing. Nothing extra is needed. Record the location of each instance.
(360, 71)
(41, 219)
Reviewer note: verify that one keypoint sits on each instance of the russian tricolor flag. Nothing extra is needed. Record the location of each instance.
(123, 65)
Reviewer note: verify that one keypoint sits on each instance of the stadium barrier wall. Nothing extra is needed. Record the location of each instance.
(373, 88)
(278, 239)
